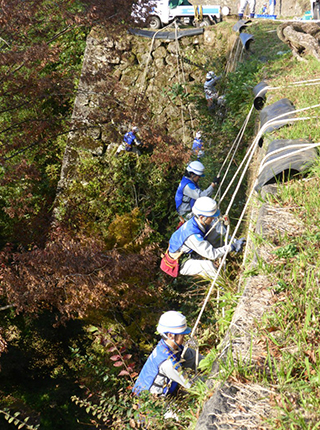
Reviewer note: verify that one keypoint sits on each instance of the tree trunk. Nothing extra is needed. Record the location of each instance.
(303, 38)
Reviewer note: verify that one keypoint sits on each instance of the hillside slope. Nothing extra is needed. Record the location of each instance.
(265, 371)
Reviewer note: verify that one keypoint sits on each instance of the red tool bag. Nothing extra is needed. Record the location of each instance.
(169, 265)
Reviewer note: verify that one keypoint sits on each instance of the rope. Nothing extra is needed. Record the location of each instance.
(179, 79)
(274, 121)
(290, 154)
(212, 227)
(305, 83)
(185, 88)
(231, 64)
(140, 96)
(234, 146)
(180, 64)
(253, 147)
(242, 130)
(249, 155)
(198, 13)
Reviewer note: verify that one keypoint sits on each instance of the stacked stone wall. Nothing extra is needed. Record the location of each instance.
(139, 70)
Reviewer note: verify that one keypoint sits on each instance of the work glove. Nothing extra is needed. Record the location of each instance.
(216, 180)
(237, 245)
(226, 220)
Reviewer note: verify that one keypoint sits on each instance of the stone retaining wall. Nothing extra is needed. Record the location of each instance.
(138, 73)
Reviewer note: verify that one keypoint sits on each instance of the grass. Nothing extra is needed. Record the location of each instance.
(289, 333)
(296, 312)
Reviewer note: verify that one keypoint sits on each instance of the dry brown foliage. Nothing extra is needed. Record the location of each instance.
(74, 275)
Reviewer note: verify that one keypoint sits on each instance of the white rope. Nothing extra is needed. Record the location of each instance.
(146, 68)
(256, 140)
(272, 122)
(234, 146)
(212, 227)
(241, 54)
(249, 155)
(238, 138)
(179, 79)
(277, 151)
(290, 154)
(221, 265)
(240, 135)
(243, 128)
(249, 151)
(306, 83)
(230, 64)
(184, 81)
(151, 49)
(220, 268)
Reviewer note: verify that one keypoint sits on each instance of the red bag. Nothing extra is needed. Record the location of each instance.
(169, 265)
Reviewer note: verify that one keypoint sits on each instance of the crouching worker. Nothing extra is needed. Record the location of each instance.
(129, 140)
(190, 244)
(163, 371)
(189, 190)
(197, 146)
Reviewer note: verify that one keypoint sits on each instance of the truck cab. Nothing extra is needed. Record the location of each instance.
(165, 11)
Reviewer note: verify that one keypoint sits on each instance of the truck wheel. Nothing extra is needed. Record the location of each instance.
(206, 22)
(154, 23)
(316, 11)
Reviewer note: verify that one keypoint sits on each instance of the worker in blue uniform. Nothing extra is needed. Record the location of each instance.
(163, 371)
(189, 190)
(129, 140)
(197, 146)
(190, 248)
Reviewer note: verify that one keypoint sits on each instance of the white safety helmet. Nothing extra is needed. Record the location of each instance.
(196, 167)
(173, 322)
(205, 206)
(134, 128)
(210, 75)
(198, 134)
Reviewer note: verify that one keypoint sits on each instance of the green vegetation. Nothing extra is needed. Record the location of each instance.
(89, 298)
(289, 332)
(295, 335)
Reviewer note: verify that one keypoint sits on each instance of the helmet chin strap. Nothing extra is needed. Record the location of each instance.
(203, 220)
(172, 340)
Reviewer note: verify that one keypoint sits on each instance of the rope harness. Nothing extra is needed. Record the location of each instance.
(198, 13)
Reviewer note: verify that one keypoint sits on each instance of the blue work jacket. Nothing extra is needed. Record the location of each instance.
(150, 371)
(181, 235)
(129, 138)
(180, 197)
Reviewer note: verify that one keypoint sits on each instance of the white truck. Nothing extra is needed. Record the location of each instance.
(163, 12)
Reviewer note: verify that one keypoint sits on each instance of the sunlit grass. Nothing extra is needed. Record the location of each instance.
(290, 332)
